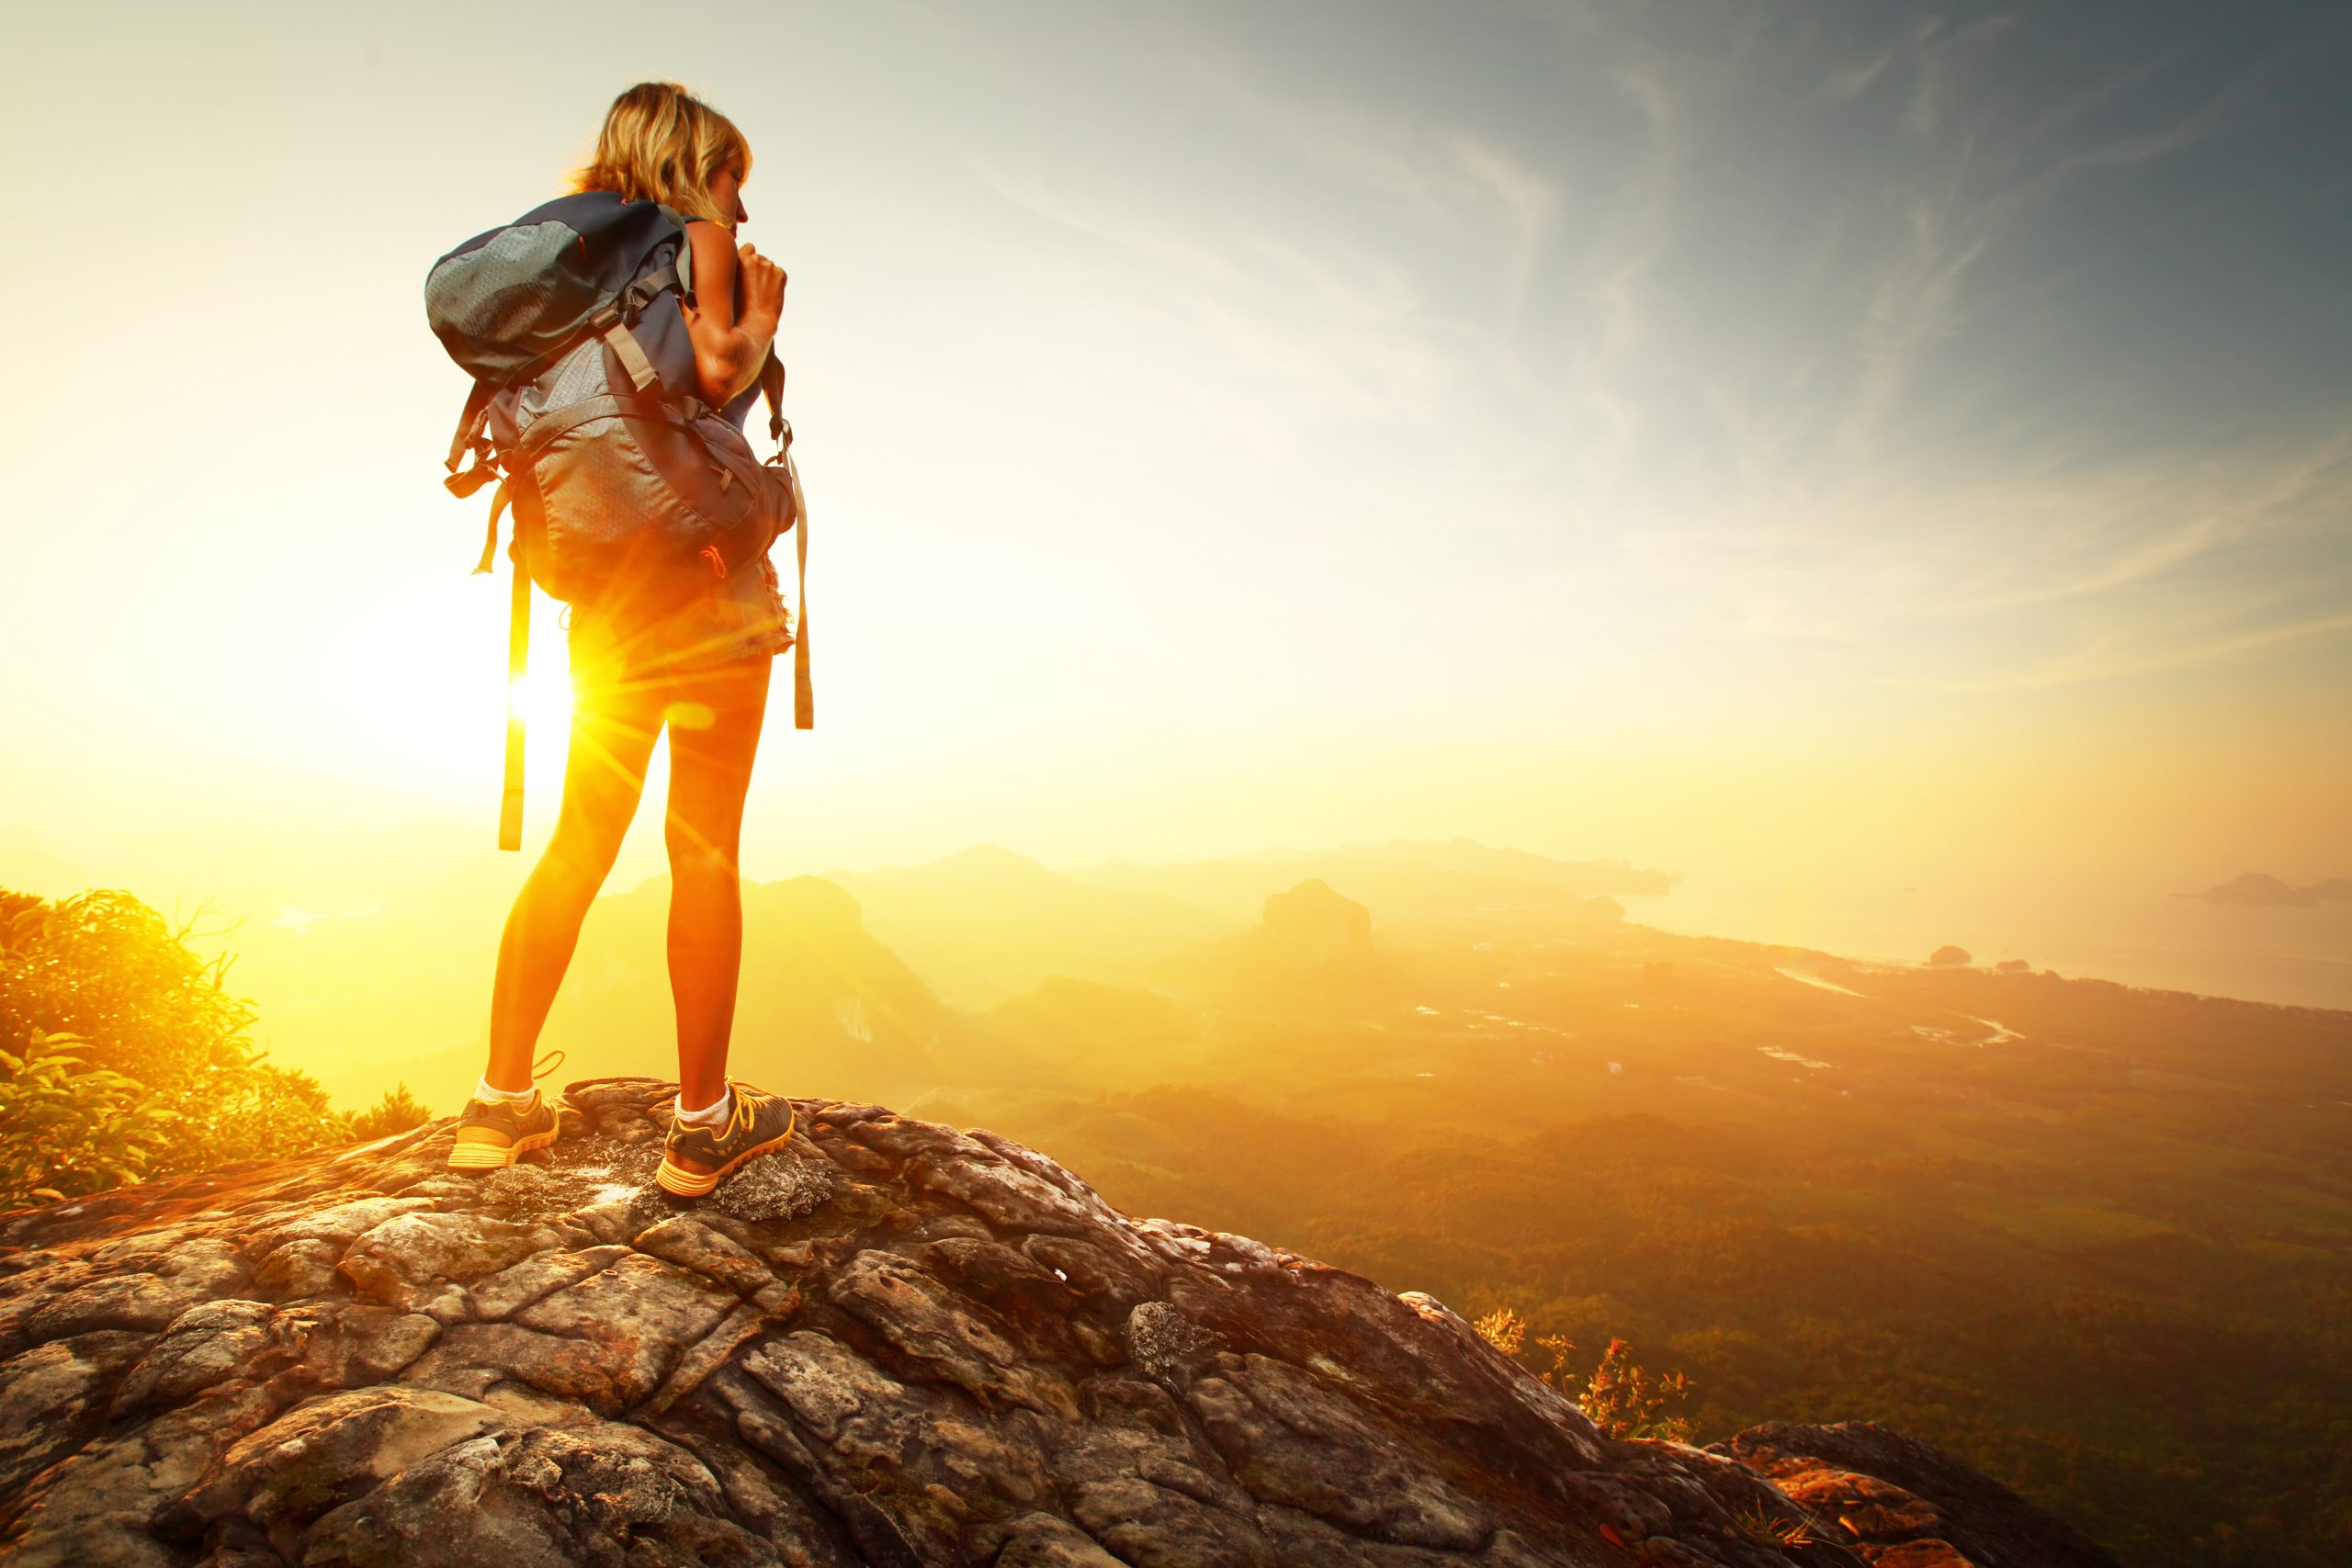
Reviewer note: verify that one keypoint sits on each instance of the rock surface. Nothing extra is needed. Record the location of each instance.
(1906, 1505)
(892, 1343)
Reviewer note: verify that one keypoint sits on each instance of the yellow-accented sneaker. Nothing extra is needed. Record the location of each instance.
(696, 1159)
(494, 1135)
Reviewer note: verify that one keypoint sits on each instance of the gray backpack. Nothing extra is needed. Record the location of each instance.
(587, 411)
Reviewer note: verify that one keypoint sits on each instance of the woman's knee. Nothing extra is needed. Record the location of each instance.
(704, 819)
(695, 853)
(586, 844)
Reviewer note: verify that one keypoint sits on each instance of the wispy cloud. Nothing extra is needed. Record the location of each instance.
(1852, 80)
(1746, 354)
(2117, 658)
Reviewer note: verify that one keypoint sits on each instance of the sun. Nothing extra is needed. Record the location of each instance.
(543, 696)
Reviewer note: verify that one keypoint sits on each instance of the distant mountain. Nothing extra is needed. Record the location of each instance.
(1096, 1028)
(1405, 882)
(821, 1005)
(2259, 888)
(1311, 950)
(1312, 925)
(986, 925)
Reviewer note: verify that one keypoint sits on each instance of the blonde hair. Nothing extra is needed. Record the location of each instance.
(662, 143)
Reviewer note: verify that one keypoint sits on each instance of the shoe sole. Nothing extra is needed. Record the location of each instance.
(484, 1156)
(683, 1183)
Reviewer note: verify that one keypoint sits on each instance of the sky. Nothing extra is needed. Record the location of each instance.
(1820, 449)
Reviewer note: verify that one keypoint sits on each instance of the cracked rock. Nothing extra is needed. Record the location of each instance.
(892, 1343)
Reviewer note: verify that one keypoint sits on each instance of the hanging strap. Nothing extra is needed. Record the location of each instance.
(490, 539)
(470, 438)
(804, 698)
(772, 389)
(518, 658)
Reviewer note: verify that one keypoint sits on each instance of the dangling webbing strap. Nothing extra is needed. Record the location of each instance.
(489, 537)
(472, 421)
(518, 658)
(804, 698)
(772, 389)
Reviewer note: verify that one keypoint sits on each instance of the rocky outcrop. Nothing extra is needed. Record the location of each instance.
(892, 1343)
(1905, 1505)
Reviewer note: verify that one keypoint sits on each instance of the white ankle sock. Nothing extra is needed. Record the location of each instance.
(490, 1094)
(710, 1115)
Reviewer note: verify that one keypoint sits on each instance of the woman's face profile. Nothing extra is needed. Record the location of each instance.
(726, 192)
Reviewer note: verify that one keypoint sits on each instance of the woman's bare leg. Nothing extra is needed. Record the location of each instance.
(714, 735)
(612, 736)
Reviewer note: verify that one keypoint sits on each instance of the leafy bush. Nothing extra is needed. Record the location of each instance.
(1623, 1398)
(67, 1128)
(396, 1113)
(132, 1057)
(1626, 1400)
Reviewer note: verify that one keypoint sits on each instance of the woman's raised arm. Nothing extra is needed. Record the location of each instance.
(731, 344)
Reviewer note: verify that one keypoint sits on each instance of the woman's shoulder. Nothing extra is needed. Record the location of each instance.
(713, 248)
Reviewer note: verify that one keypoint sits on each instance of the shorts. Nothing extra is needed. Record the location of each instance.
(739, 618)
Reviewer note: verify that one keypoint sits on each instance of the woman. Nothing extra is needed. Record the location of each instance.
(701, 670)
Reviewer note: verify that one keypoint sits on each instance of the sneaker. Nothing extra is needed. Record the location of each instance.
(495, 1133)
(696, 1159)
(492, 1135)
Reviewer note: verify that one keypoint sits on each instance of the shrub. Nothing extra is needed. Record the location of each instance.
(133, 1058)
(1623, 1398)
(67, 1128)
(1626, 1400)
(396, 1113)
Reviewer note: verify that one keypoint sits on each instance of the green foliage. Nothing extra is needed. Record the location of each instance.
(106, 967)
(1623, 1398)
(67, 1128)
(396, 1112)
(161, 1078)
(1626, 1400)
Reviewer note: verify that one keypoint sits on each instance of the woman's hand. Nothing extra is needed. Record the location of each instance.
(763, 288)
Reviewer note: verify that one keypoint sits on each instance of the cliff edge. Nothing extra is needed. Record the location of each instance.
(893, 1342)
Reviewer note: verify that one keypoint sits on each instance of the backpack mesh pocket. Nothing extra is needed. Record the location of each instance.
(627, 488)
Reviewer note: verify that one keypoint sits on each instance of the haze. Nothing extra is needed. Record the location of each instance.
(1886, 468)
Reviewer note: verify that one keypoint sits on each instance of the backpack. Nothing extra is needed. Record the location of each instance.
(586, 409)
